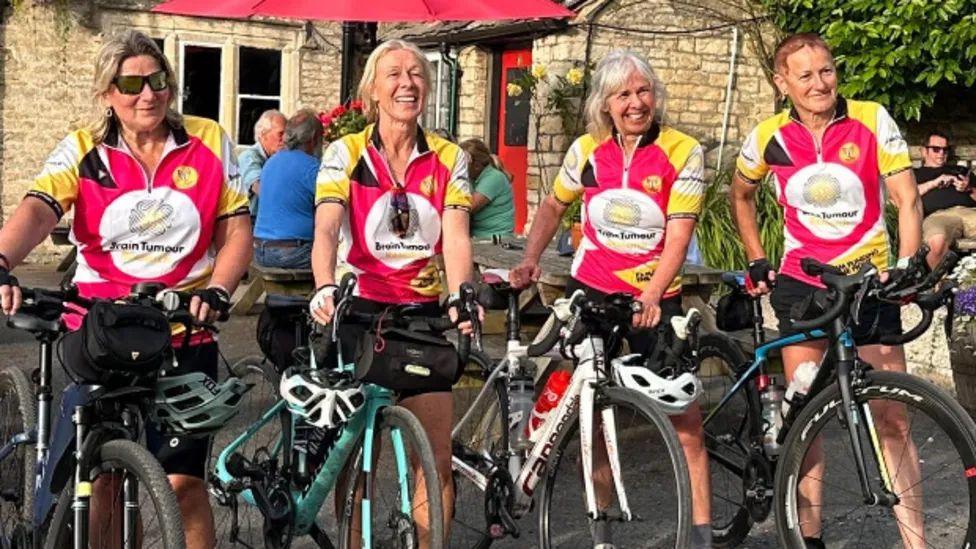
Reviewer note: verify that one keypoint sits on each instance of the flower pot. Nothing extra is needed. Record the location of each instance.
(577, 234)
(962, 355)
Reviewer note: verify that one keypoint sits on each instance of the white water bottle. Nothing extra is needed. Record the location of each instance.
(800, 386)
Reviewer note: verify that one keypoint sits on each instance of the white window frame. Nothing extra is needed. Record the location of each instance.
(240, 96)
(437, 60)
(182, 65)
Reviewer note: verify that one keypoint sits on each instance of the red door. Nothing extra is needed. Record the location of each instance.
(513, 129)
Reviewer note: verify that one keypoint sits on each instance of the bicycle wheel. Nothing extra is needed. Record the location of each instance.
(389, 525)
(653, 471)
(18, 414)
(929, 457)
(478, 443)
(237, 522)
(155, 514)
(727, 440)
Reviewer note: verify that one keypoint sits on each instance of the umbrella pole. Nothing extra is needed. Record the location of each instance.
(355, 37)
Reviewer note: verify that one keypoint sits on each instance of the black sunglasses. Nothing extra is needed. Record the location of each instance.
(401, 213)
(132, 84)
(938, 149)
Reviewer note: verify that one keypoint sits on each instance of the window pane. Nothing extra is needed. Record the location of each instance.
(516, 112)
(260, 71)
(251, 110)
(201, 81)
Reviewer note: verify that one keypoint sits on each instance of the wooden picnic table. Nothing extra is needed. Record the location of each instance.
(59, 237)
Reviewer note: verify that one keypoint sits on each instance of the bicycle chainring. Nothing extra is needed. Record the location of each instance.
(278, 523)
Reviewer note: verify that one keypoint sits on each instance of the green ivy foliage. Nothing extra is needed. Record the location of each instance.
(895, 52)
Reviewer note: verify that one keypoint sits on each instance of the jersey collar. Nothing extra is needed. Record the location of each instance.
(646, 140)
(177, 137)
(420, 147)
(840, 111)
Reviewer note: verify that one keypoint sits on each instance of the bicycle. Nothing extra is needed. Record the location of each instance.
(278, 479)
(497, 474)
(91, 454)
(861, 467)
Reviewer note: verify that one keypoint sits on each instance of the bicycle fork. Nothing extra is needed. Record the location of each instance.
(852, 417)
(609, 428)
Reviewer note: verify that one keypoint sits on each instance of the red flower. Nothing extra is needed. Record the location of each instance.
(338, 111)
(356, 105)
(326, 120)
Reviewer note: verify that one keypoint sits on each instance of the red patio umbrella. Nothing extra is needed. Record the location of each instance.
(370, 10)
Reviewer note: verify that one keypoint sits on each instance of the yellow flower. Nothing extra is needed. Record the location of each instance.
(574, 76)
(539, 71)
(514, 90)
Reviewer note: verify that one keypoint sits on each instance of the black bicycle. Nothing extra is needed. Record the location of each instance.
(83, 480)
(866, 457)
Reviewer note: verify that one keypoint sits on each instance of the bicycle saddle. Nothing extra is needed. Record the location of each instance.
(33, 324)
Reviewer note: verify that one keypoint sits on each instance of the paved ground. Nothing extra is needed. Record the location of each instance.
(237, 341)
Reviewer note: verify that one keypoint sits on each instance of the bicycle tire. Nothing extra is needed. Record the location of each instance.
(18, 414)
(664, 442)
(384, 510)
(230, 506)
(487, 434)
(127, 457)
(726, 434)
(959, 441)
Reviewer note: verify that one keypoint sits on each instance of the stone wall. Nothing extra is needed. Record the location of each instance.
(694, 68)
(473, 93)
(47, 66)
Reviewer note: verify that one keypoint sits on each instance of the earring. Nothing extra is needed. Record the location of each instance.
(109, 112)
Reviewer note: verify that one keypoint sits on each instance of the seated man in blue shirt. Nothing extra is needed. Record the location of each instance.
(286, 211)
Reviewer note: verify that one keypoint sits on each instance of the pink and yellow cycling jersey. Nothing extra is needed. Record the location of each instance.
(393, 267)
(130, 226)
(627, 204)
(831, 193)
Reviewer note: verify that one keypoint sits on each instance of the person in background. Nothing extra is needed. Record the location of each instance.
(269, 133)
(286, 212)
(948, 198)
(491, 202)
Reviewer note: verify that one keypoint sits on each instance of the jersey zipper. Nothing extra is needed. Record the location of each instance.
(628, 159)
(818, 145)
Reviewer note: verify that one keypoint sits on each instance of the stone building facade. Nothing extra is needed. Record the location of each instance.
(48, 63)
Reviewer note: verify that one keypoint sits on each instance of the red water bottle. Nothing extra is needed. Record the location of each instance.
(548, 400)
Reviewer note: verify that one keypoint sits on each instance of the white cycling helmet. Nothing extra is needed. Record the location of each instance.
(673, 396)
(320, 402)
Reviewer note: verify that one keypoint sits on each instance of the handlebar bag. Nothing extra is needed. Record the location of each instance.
(407, 360)
(119, 341)
(733, 312)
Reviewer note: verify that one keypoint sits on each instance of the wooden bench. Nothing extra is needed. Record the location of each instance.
(270, 280)
(966, 245)
(59, 237)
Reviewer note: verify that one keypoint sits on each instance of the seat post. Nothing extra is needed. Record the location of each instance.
(512, 324)
(44, 393)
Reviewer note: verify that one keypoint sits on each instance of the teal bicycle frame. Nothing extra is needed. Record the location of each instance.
(308, 504)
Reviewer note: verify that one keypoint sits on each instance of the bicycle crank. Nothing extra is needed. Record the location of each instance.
(757, 484)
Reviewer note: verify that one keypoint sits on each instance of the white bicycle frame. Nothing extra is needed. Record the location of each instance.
(590, 369)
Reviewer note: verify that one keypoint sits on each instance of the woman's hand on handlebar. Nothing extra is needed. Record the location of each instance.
(322, 305)
(208, 304)
(10, 296)
(464, 327)
(650, 314)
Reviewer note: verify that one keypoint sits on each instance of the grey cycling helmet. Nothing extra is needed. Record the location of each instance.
(195, 404)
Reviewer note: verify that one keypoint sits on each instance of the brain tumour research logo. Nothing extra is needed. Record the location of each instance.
(150, 218)
(621, 212)
(821, 190)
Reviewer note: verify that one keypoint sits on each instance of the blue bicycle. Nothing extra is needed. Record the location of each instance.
(332, 433)
(865, 458)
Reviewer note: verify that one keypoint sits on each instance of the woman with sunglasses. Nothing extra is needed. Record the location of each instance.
(156, 198)
(400, 197)
(641, 183)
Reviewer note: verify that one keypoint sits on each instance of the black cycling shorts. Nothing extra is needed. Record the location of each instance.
(350, 334)
(640, 341)
(877, 318)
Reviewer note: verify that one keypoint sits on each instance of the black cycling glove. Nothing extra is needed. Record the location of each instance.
(7, 279)
(216, 298)
(759, 270)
